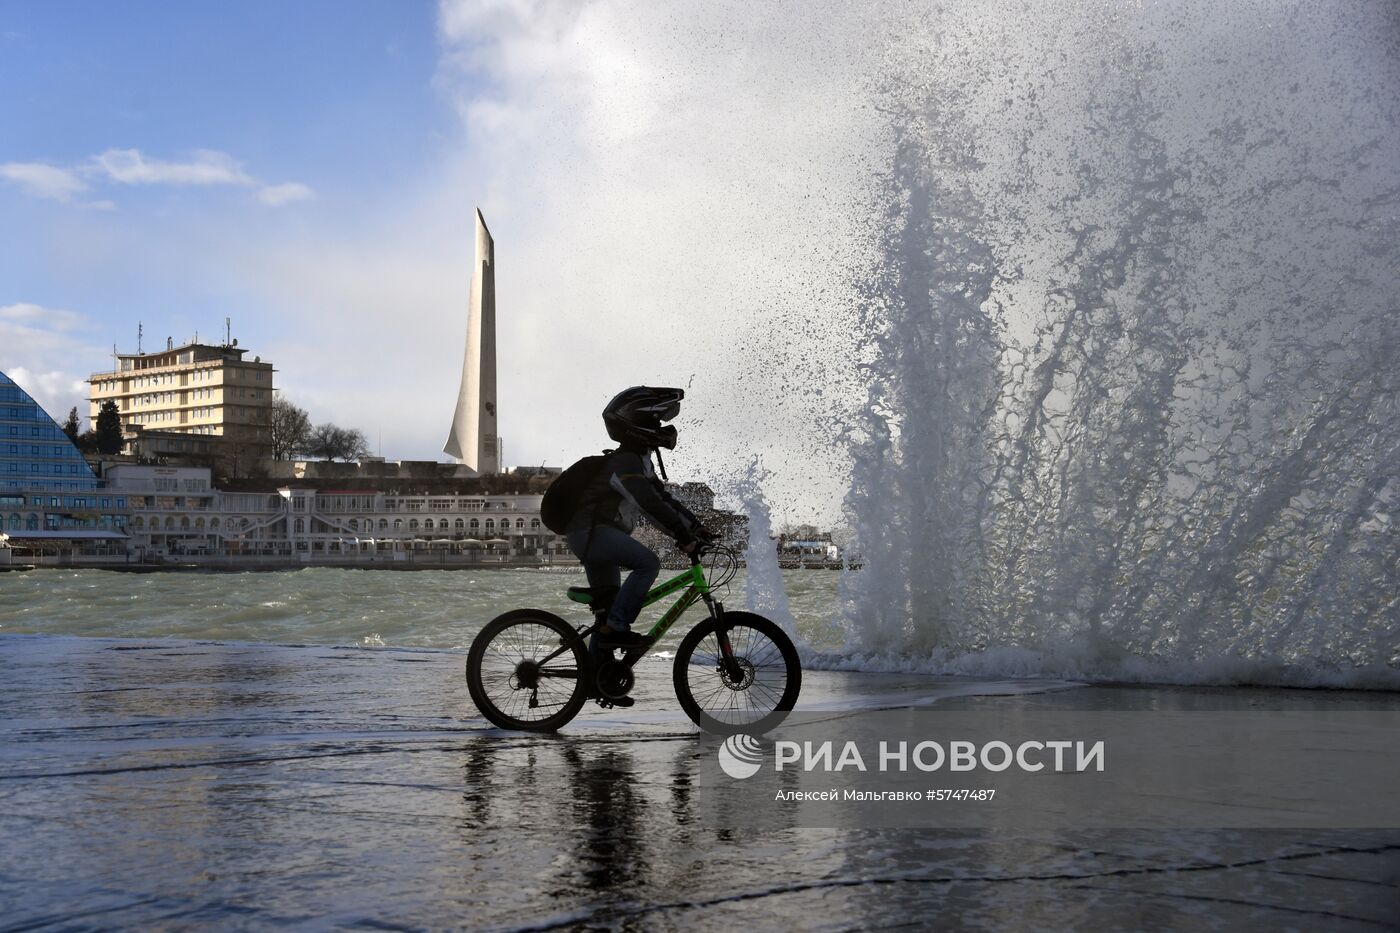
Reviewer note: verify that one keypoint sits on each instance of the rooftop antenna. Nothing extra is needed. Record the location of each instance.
(140, 330)
(228, 331)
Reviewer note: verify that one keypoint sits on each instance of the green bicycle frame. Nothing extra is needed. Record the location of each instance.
(695, 586)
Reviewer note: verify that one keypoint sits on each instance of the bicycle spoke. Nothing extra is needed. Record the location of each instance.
(764, 681)
(521, 644)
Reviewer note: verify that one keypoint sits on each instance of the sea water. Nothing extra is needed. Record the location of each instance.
(323, 606)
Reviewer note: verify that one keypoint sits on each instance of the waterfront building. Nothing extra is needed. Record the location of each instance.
(50, 499)
(807, 542)
(207, 396)
(473, 438)
(177, 513)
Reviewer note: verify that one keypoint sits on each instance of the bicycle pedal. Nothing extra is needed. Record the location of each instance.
(605, 704)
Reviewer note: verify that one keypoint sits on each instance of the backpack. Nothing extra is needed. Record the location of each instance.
(562, 498)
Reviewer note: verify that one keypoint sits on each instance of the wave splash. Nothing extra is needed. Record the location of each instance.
(1131, 333)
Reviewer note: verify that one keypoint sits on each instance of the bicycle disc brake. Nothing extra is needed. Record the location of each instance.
(737, 674)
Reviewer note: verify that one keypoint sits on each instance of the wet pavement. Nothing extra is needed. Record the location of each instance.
(171, 785)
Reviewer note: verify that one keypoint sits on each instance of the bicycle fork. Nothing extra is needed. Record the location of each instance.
(728, 663)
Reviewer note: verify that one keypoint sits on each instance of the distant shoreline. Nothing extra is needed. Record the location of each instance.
(253, 566)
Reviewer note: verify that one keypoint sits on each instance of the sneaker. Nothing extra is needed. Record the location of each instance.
(623, 639)
(620, 702)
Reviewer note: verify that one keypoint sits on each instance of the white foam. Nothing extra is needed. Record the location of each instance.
(1129, 417)
(1070, 665)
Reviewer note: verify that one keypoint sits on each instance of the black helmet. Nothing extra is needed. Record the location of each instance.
(634, 416)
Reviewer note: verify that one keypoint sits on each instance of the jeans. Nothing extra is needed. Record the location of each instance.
(607, 552)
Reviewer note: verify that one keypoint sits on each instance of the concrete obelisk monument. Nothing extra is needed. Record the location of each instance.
(473, 439)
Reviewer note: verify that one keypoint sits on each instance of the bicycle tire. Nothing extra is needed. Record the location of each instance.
(497, 654)
(726, 706)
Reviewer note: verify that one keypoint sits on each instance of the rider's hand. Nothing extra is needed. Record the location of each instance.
(690, 546)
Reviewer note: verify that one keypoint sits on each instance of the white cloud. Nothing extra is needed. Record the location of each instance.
(277, 195)
(694, 177)
(44, 181)
(41, 348)
(205, 167)
(49, 318)
(56, 391)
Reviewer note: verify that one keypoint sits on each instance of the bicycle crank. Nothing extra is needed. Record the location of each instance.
(614, 680)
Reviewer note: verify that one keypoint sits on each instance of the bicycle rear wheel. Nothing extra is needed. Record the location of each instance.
(750, 688)
(514, 681)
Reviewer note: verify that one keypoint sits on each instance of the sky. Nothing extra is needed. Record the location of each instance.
(673, 190)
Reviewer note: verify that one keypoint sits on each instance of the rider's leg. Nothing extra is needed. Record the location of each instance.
(599, 573)
(619, 548)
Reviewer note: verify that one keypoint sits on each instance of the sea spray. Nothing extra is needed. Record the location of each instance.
(1132, 324)
(764, 592)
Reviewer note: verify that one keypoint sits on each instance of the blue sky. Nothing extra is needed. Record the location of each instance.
(668, 185)
(323, 109)
(336, 90)
(128, 129)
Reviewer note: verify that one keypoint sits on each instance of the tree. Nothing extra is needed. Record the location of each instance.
(109, 429)
(334, 443)
(290, 429)
(71, 426)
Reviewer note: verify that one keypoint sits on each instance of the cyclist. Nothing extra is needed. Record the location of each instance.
(600, 532)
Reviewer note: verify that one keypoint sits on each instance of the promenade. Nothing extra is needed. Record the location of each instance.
(172, 784)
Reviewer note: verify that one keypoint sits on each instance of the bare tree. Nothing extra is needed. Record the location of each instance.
(330, 442)
(290, 429)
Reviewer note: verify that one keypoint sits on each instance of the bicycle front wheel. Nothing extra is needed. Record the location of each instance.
(525, 671)
(738, 674)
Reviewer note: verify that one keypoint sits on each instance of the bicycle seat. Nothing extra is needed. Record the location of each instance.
(593, 595)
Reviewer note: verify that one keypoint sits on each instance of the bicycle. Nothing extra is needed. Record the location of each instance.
(733, 672)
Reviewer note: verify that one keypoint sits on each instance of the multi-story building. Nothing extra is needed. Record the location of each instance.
(205, 391)
(50, 500)
(176, 513)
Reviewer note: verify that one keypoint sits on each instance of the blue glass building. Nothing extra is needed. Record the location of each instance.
(34, 451)
(47, 489)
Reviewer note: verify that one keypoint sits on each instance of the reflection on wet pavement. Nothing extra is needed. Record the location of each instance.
(177, 784)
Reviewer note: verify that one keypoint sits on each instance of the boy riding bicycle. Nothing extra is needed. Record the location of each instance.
(609, 506)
